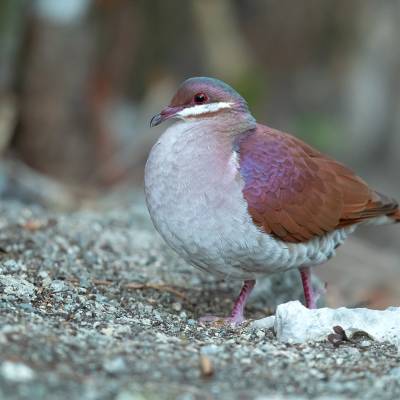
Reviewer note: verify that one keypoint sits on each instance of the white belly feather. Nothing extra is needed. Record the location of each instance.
(194, 195)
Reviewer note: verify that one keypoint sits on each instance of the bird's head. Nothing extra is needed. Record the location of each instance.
(199, 98)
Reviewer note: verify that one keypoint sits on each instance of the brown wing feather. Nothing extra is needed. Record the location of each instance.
(296, 193)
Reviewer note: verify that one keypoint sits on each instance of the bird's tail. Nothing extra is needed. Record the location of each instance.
(387, 206)
(396, 215)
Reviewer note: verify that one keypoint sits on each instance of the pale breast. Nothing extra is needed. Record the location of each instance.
(194, 195)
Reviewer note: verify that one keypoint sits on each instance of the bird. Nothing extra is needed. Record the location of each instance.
(242, 200)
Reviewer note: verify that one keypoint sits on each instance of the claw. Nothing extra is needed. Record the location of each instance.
(214, 320)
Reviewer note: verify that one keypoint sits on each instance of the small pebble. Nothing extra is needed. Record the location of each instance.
(16, 372)
(210, 349)
(177, 306)
(115, 365)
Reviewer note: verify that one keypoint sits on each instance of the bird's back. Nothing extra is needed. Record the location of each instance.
(296, 193)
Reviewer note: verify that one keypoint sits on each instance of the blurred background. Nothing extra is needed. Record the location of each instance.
(80, 79)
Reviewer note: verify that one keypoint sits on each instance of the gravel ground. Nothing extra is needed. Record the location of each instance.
(93, 306)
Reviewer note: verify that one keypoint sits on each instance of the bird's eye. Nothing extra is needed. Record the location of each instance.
(200, 98)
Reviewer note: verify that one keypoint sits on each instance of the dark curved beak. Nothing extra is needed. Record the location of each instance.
(166, 113)
(156, 120)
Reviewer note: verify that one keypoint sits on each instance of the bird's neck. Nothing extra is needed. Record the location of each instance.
(202, 151)
(222, 129)
(232, 124)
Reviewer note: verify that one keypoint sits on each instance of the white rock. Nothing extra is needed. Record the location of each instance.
(16, 372)
(294, 323)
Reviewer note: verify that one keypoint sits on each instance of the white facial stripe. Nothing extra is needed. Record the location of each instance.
(203, 109)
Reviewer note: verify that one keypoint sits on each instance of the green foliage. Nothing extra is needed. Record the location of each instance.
(252, 86)
(322, 131)
(10, 11)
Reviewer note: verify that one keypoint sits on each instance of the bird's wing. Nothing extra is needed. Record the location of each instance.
(296, 193)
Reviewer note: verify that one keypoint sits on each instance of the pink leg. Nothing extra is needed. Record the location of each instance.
(237, 314)
(309, 295)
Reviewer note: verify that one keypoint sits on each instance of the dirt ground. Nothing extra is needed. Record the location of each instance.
(94, 306)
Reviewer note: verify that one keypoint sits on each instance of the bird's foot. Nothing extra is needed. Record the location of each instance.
(214, 320)
(237, 315)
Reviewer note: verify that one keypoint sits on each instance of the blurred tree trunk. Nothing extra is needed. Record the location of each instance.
(225, 50)
(117, 24)
(371, 102)
(12, 24)
(78, 71)
(54, 135)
